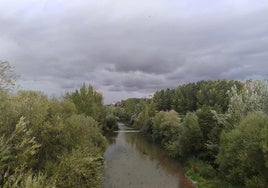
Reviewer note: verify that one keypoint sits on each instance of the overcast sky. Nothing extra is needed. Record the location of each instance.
(131, 48)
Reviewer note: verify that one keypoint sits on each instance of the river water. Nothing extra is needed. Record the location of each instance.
(132, 161)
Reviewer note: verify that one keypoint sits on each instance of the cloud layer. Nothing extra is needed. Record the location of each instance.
(132, 48)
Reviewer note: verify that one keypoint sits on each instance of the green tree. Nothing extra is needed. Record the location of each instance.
(214, 94)
(211, 131)
(253, 98)
(51, 145)
(98, 108)
(163, 99)
(33, 105)
(159, 100)
(143, 116)
(166, 127)
(82, 131)
(59, 109)
(83, 167)
(190, 141)
(130, 109)
(8, 117)
(84, 146)
(17, 154)
(243, 155)
(184, 99)
(8, 113)
(111, 123)
(88, 102)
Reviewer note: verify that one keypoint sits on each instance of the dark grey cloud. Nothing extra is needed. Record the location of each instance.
(132, 48)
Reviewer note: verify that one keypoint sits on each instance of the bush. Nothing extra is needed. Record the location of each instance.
(256, 181)
(166, 127)
(83, 167)
(17, 155)
(243, 155)
(110, 123)
(81, 131)
(202, 168)
(50, 145)
(190, 142)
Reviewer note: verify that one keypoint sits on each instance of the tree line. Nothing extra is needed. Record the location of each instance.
(218, 128)
(51, 141)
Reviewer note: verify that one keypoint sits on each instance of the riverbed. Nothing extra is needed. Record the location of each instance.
(132, 161)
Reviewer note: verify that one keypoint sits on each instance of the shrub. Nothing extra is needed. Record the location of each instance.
(202, 168)
(243, 155)
(190, 142)
(166, 127)
(110, 123)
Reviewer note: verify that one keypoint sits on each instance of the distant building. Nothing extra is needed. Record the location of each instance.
(117, 103)
(150, 97)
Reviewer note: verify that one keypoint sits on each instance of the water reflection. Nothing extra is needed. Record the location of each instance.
(133, 161)
(111, 137)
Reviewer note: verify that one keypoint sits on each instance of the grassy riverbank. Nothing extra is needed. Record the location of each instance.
(204, 175)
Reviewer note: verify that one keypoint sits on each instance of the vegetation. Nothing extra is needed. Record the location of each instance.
(193, 96)
(166, 127)
(110, 123)
(88, 102)
(243, 154)
(218, 127)
(50, 142)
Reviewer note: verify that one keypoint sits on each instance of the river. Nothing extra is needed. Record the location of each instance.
(132, 161)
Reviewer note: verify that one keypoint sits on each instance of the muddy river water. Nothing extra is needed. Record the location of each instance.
(132, 161)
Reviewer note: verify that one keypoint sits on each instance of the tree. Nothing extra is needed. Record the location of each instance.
(83, 167)
(190, 141)
(253, 98)
(214, 94)
(17, 154)
(163, 99)
(98, 108)
(59, 109)
(166, 127)
(80, 130)
(159, 100)
(33, 105)
(211, 131)
(243, 154)
(143, 116)
(82, 154)
(51, 145)
(131, 109)
(8, 116)
(184, 98)
(192, 96)
(88, 102)
(110, 123)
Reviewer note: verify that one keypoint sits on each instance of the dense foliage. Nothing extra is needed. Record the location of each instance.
(50, 142)
(243, 155)
(88, 102)
(192, 96)
(219, 127)
(110, 123)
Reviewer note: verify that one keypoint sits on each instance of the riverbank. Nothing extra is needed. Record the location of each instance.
(204, 175)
